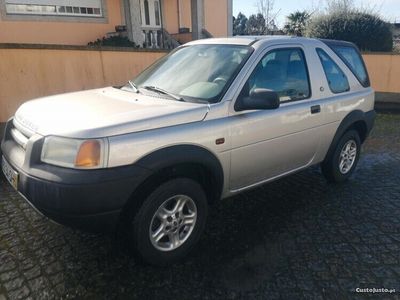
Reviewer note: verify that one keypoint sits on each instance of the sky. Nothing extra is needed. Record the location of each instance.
(388, 9)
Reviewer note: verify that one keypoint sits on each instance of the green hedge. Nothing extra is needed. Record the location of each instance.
(367, 31)
(113, 41)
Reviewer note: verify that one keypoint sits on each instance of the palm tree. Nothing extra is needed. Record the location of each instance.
(296, 23)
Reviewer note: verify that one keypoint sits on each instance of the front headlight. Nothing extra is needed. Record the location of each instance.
(74, 153)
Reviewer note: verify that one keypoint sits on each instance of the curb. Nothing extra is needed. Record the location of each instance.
(387, 107)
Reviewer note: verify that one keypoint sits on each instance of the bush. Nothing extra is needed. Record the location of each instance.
(113, 41)
(367, 31)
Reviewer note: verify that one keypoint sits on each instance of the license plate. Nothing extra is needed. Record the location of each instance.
(10, 173)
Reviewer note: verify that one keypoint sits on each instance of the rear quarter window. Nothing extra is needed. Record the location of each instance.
(352, 58)
(337, 80)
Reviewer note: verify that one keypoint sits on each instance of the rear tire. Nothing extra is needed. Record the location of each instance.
(341, 163)
(170, 222)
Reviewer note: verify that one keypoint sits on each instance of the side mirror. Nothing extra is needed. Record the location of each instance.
(258, 99)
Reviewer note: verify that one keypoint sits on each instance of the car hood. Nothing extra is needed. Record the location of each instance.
(104, 112)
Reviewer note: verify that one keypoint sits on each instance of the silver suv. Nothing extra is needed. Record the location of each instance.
(211, 119)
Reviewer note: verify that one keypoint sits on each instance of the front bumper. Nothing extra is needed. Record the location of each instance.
(91, 200)
(93, 205)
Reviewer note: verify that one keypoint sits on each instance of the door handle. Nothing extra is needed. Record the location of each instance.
(315, 109)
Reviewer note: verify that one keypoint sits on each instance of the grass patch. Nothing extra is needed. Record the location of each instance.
(387, 125)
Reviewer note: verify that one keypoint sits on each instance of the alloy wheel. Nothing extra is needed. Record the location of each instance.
(173, 223)
(347, 156)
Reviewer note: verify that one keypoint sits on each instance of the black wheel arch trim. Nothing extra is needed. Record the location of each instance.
(171, 156)
(352, 118)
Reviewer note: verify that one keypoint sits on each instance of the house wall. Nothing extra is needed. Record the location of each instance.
(59, 30)
(216, 17)
(81, 30)
(30, 73)
(170, 15)
(186, 14)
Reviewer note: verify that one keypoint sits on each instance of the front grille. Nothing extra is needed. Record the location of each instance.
(20, 134)
(19, 137)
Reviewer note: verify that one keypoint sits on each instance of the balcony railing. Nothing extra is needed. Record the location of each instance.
(159, 39)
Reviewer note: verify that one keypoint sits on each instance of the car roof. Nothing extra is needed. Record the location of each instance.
(251, 40)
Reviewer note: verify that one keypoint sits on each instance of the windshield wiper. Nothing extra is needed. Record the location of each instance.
(133, 86)
(164, 92)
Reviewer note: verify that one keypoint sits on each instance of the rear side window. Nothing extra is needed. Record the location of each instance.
(337, 80)
(352, 58)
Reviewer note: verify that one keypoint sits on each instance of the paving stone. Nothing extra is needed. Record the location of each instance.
(14, 284)
(295, 238)
(39, 283)
(33, 273)
(9, 275)
(21, 293)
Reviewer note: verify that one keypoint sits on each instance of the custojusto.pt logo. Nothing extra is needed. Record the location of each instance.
(375, 290)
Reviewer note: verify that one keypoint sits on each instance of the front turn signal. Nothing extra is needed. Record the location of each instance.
(89, 154)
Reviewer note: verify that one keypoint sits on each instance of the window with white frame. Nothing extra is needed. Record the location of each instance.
(157, 12)
(146, 12)
(85, 8)
(151, 12)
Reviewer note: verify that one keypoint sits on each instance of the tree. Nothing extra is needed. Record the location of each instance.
(296, 23)
(240, 24)
(339, 6)
(266, 9)
(256, 25)
(368, 31)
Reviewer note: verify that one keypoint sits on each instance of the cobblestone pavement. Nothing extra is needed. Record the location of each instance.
(298, 237)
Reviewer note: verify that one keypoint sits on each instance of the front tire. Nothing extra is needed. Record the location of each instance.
(170, 222)
(341, 163)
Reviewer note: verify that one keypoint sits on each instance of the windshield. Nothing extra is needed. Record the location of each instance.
(193, 73)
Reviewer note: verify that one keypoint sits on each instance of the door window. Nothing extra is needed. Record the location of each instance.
(283, 71)
(337, 80)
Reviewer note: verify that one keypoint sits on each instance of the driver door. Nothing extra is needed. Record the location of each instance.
(269, 143)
